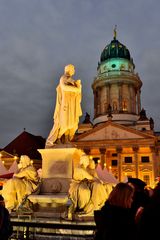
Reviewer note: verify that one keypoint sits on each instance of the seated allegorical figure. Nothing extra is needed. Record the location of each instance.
(23, 183)
(87, 192)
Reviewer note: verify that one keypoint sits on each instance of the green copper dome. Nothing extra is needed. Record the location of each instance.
(115, 50)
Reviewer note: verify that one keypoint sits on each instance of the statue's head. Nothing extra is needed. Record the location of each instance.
(25, 161)
(69, 69)
(84, 160)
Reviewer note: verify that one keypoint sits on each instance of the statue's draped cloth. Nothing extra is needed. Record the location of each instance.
(16, 188)
(67, 110)
(87, 193)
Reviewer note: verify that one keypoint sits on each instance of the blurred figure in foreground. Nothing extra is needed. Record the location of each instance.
(148, 222)
(6, 228)
(116, 219)
(141, 194)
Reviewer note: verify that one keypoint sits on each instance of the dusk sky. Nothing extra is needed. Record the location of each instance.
(39, 37)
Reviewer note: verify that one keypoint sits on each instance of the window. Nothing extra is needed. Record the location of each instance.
(129, 176)
(114, 162)
(145, 159)
(96, 159)
(124, 105)
(114, 154)
(114, 106)
(146, 179)
(128, 159)
(122, 67)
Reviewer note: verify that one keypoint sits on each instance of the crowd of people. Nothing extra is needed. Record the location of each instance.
(131, 211)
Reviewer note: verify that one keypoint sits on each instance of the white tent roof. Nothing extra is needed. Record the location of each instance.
(13, 168)
(105, 176)
(3, 170)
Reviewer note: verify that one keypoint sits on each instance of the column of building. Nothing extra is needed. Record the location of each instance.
(103, 156)
(119, 151)
(135, 150)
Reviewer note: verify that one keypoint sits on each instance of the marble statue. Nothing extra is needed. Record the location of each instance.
(23, 183)
(87, 192)
(68, 108)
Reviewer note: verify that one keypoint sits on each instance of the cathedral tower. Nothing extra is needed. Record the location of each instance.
(116, 87)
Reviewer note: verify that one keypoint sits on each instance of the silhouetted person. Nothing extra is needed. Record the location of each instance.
(148, 225)
(116, 220)
(6, 228)
(141, 198)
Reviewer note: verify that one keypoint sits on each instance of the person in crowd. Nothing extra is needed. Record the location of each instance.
(116, 220)
(6, 228)
(148, 222)
(141, 194)
(21, 185)
(86, 191)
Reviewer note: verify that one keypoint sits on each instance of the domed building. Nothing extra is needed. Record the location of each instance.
(116, 86)
(121, 137)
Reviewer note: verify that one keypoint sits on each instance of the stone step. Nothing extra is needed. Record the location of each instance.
(45, 199)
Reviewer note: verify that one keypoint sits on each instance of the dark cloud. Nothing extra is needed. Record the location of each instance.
(38, 38)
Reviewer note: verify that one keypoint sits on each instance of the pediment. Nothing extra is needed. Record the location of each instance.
(112, 131)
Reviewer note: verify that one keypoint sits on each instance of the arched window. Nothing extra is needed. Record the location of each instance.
(114, 106)
(124, 105)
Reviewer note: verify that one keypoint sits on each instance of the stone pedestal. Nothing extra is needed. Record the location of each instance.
(57, 173)
(57, 169)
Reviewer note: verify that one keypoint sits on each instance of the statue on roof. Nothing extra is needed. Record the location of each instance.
(109, 110)
(115, 32)
(87, 118)
(143, 116)
(151, 121)
(67, 110)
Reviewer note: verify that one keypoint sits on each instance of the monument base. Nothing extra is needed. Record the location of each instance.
(57, 172)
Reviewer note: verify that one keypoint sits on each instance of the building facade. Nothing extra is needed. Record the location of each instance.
(121, 136)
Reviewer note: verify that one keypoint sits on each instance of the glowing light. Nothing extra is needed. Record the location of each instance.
(3, 162)
(90, 157)
(99, 161)
(105, 164)
(15, 157)
(31, 161)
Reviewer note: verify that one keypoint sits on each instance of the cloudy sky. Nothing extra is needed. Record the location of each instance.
(39, 37)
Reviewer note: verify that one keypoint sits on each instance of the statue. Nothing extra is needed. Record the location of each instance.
(143, 115)
(151, 121)
(87, 118)
(68, 108)
(23, 183)
(87, 192)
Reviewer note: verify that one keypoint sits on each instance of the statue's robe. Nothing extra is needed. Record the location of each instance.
(22, 184)
(67, 110)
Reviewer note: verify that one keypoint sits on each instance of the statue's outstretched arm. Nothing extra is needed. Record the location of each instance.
(70, 88)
